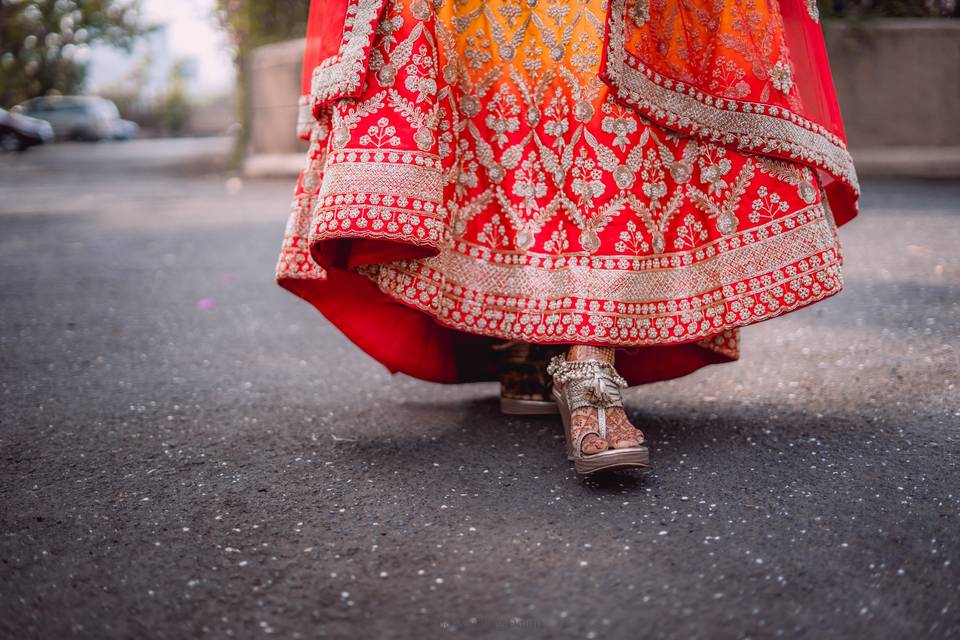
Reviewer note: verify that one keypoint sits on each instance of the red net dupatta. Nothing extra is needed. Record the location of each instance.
(750, 75)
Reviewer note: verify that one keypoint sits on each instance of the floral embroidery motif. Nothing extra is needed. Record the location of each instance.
(640, 12)
(767, 206)
(782, 76)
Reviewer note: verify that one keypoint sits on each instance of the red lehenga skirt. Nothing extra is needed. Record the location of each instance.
(651, 175)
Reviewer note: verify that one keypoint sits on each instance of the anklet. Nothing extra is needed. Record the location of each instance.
(594, 382)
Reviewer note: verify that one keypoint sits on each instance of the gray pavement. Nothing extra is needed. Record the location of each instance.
(189, 451)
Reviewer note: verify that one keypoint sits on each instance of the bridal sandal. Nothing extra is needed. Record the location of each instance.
(525, 385)
(596, 384)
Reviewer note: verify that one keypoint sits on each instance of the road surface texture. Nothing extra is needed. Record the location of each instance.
(190, 451)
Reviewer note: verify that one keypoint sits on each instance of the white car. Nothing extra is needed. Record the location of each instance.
(19, 132)
(76, 117)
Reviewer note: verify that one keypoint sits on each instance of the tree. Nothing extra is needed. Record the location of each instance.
(253, 23)
(43, 42)
(175, 104)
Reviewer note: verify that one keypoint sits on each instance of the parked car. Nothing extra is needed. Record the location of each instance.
(19, 132)
(124, 129)
(76, 117)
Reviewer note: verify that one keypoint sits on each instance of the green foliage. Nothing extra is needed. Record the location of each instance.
(176, 104)
(856, 9)
(252, 23)
(42, 42)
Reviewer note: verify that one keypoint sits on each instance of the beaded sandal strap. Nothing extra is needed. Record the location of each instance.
(588, 383)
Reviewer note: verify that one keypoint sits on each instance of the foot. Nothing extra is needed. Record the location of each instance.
(620, 432)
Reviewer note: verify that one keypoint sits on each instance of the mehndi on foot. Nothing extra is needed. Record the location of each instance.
(588, 395)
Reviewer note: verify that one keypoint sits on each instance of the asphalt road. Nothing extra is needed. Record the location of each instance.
(186, 450)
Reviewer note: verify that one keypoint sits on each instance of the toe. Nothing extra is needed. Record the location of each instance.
(593, 443)
(622, 434)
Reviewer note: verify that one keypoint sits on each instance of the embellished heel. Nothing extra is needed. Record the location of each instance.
(525, 385)
(526, 407)
(595, 384)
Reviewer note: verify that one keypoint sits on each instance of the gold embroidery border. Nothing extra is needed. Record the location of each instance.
(367, 175)
(584, 324)
(387, 224)
(363, 195)
(814, 241)
(666, 261)
(342, 75)
(673, 104)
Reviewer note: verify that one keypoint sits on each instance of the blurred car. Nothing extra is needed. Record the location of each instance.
(77, 117)
(124, 129)
(19, 132)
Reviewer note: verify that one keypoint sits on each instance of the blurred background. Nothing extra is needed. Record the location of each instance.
(169, 67)
(162, 68)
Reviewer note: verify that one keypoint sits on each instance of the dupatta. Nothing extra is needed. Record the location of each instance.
(753, 76)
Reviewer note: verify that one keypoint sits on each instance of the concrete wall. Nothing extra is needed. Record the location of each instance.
(898, 82)
(273, 91)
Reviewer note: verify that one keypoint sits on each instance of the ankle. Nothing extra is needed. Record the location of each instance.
(590, 352)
